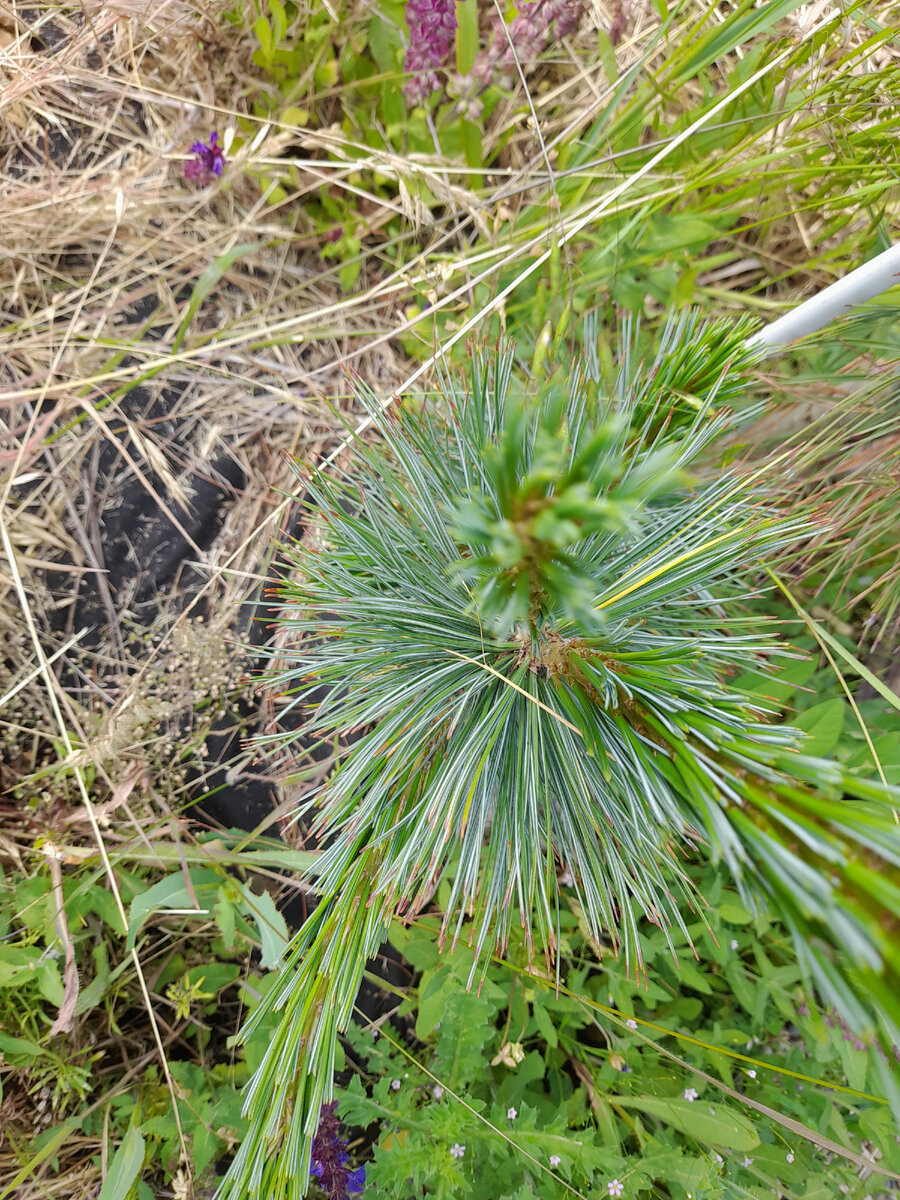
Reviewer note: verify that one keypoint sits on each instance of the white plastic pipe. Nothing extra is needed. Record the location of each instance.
(867, 281)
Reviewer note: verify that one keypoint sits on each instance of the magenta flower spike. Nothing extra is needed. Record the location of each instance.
(432, 32)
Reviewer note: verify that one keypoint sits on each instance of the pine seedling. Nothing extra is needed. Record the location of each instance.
(513, 630)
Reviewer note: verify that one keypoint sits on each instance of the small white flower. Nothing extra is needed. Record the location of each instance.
(457, 1151)
(566, 880)
(719, 1158)
(511, 1114)
(615, 1188)
(790, 1156)
(747, 1162)
(752, 1074)
(395, 1085)
(631, 1023)
(691, 1094)
(555, 1160)
(437, 1091)
(735, 944)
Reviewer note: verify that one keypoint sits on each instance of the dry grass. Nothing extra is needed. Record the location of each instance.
(102, 244)
(99, 229)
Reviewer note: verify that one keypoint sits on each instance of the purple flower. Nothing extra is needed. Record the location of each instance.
(526, 37)
(330, 1159)
(518, 44)
(208, 161)
(432, 31)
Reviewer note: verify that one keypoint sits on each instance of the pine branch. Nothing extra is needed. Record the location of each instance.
(523, 612)
(322, 976)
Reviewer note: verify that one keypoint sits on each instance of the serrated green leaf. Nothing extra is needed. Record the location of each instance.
(465, 1029)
